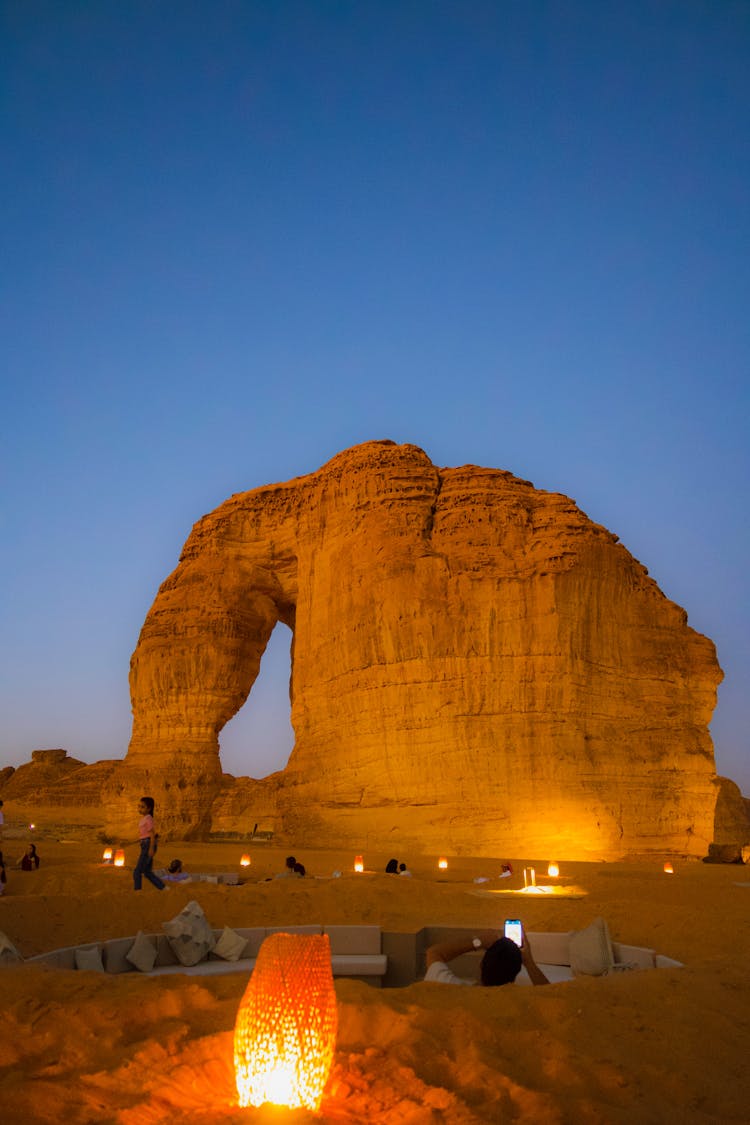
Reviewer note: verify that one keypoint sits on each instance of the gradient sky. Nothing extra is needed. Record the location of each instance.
(239, 237)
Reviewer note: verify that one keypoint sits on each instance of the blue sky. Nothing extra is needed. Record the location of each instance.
(239, 237)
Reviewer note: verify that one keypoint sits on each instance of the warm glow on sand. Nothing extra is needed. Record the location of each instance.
(668, 868)
(443, 863)
(107, 855)
(245, 861)
(119, 858)
(553, 870)
(359, 864)
(285, 1034)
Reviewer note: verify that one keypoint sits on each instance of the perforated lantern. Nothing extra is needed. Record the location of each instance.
(359, 864)
(668, 869)
(553, 870)
(119, 858)
(245, 861)
(443, 863)
(285, 1033)
(107, 855)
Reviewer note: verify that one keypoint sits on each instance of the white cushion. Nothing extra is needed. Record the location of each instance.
(591, 950)
(230, 945)
(90, 959)
(190, 935)
(142, 953)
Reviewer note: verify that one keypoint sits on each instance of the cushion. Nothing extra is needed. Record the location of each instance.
(591, 950)
(9, 955)
(142, 953)
(190, 935)
(90, 959)
(230, 945)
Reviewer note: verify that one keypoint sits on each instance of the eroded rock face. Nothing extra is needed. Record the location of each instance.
(477, 668)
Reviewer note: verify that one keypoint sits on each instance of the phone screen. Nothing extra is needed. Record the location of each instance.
(514, 930)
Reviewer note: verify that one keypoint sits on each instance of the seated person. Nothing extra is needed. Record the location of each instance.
(404, 870)
(299, 869)
(29, 861)
(391, 867)
(288, 871)
(175, 874)
(501, 963)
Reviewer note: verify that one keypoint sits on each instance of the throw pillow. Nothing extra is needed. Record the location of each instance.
(9, 955)
(89, 959)
(591, 950)
(190, 935)
(142, 953)
(230, 945)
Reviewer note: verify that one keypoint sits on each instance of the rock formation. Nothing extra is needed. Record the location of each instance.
(477, 667)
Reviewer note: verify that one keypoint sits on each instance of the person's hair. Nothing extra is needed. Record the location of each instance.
(175, 865)
(299, 869)
(402, 867)
(290, 862)
(33, 849)
(391, 867)
(149, 802)
(501, 963)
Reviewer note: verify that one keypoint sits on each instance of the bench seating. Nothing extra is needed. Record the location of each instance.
(355, 952)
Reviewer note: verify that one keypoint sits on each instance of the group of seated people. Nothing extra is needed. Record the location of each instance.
(291, 869)
(393, 867)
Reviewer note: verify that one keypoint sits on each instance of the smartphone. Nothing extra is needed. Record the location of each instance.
(514, 930)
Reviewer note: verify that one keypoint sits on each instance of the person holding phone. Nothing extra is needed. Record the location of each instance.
(501, 962)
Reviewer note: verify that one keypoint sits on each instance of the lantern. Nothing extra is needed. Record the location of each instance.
(245, 861)
(119, 858)
(529, 877)
(107, 855)
(285, 1032)
(553, 870)
(668, 869)
(359, 863)
(443, 863)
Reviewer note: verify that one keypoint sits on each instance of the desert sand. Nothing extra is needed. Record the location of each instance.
(666, 1045)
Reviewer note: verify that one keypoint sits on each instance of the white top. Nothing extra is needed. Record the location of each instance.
(439, 972)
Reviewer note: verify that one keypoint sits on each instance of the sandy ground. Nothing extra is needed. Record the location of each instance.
(664, 1046)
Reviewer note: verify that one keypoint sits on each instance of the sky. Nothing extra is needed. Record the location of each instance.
(238, 237)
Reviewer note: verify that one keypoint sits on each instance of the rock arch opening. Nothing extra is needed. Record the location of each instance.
(258, 740)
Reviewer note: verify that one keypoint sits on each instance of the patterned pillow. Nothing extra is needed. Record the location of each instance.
(190, 935)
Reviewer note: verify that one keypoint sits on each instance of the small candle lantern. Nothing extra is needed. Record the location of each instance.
(529, 877)
(32, 827)
(553, 870)
(285, 1032)
(668, 868)
(359, 864)
(119, 858)
(107, 855)
(245, 861)
(443, 863)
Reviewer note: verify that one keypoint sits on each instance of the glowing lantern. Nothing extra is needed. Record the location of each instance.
(32, 827)
(359, 864)
(443, 863)
(553, 870)
(285, 1032)
(245, 861)
(119, 858)
(669, 870)
(107, 855)
(529, 877)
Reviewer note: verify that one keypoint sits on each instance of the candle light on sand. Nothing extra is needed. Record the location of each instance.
(359, 863)
(668, 868)
(245, 860)
(553, 870)
(107, 855)
(443, 863)
(119, 858)
(285, 1032)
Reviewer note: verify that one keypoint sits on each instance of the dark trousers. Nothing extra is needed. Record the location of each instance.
(143, 868)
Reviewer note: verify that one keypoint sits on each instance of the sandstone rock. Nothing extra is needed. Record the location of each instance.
(39, 777)
(477, 667)
(731, 818)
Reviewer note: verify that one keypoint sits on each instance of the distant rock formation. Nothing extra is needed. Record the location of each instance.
(477, 668)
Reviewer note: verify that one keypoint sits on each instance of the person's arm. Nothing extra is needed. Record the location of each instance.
(446, 950)
(536, 976)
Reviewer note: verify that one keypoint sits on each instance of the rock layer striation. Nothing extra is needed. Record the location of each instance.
(477, 668)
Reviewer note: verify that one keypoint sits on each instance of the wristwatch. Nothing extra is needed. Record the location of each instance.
(476, 942)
